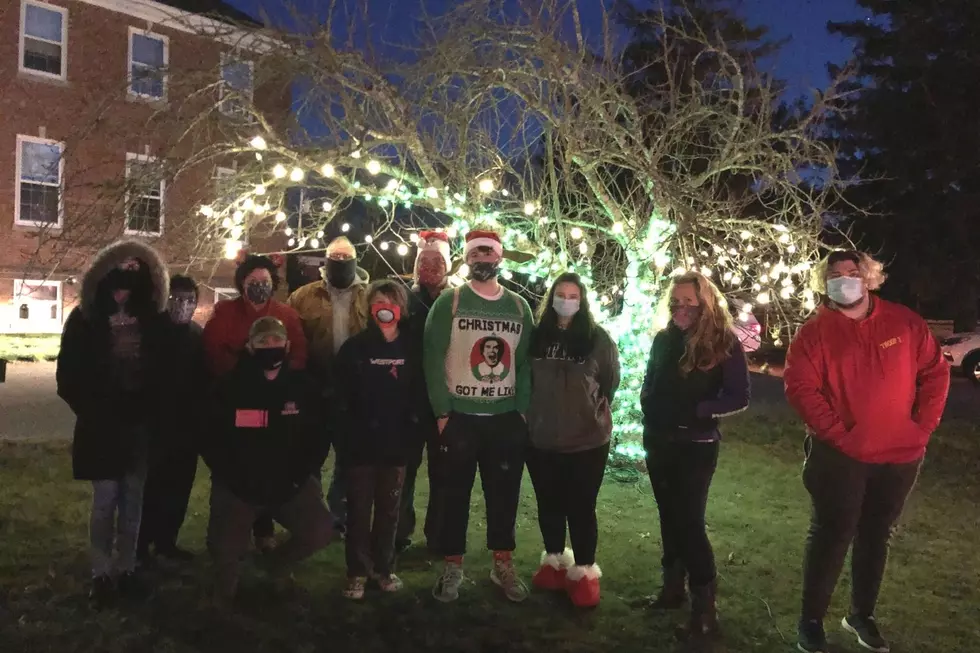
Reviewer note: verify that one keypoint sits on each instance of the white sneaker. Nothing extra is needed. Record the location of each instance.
(447, 587)
(390, 583)
(355, 588)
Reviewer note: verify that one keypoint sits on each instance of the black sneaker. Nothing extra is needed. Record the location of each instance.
(811, 637)
(131, 587)
(403, 545)
(866, 631)
(103, 591)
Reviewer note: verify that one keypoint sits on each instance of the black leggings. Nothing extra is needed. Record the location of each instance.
(681, 473)
(567, 486)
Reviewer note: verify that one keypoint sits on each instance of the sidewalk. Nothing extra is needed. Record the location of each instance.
(30, 408)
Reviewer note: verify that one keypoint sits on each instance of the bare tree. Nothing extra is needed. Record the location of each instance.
(527, 122)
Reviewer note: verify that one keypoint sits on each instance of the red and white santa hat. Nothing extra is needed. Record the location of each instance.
(436, 242)
(479, 238)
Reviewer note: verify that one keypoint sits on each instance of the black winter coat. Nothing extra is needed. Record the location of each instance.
(107, 443)
(265, 438)
(384, 412)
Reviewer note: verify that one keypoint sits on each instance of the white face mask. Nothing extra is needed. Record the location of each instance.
(566, 307)
(845, 290)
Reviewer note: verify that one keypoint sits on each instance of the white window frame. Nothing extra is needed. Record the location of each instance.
(226, 59)
(19, 299)
(21, 139)
(133, 31)
(143, 158)
(226, 293)
(63, 76)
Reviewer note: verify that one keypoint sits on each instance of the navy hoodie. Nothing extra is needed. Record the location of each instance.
(266, 437)
(687, 407)
(382, 399)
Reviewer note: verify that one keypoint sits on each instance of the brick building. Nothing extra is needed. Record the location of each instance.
(93, 94)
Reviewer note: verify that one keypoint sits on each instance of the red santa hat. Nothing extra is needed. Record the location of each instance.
(479, 238)
(436, 242)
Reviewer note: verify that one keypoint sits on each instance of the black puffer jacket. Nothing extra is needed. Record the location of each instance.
(112, 424)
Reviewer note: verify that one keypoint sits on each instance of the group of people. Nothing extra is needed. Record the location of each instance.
(381, 373)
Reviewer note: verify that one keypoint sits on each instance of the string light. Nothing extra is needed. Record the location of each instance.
(384, 246)
(296, 174)
(402, 249)
(374, 167)
(576, 233)
(486, 186)
(345, 227)
(280, 217)
(260, 189)
(369, 239)
(279, 171)
(530, 209)
(258, 143)
(328, 170)
(327, 206)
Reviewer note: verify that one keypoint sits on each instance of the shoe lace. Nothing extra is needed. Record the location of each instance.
(451, 575)
(507, 574)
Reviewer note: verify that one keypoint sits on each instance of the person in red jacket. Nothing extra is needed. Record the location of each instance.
(226, 335)
(869, 380)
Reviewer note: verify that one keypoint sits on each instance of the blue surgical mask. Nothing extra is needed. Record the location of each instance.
(845, 291)
(566, 307)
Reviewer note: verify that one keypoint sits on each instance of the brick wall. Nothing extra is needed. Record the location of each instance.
(99, 123)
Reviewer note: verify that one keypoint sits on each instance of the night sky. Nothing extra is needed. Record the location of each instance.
(802, 62)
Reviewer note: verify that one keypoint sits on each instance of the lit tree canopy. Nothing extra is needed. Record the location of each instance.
(525, 121)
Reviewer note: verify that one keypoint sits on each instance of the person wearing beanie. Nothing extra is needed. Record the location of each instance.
(432, 265)
(173, 454)
(113, 372)
(332, 310)
(479, 384)
(380, 423)
(226, 335)
(265, 440)
(575, 370)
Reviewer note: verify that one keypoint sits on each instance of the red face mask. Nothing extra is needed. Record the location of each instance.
(386, 315)
(432, 271)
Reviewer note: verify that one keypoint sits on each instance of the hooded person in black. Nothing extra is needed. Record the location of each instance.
(113, 372)
(381, 398)
(265, 441)
(173, 450)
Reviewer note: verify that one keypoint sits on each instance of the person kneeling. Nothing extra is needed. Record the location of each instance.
(381, 395)
(265, 441)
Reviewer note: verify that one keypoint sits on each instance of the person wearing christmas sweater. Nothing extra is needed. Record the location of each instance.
(697, 373)
(479, 383)
(575, 370)
(431, 278)
(868, 378)
(226, 336)
(382, 413)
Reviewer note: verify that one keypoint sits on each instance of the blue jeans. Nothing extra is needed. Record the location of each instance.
(125, 497)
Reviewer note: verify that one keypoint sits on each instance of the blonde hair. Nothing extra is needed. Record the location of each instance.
(872, 271)
(710, 340)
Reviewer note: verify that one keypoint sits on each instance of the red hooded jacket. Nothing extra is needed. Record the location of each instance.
(874, 388)
(226, 333)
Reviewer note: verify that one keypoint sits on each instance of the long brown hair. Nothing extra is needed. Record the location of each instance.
(710, 340)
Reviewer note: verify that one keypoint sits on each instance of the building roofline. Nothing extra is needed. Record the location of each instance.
(157, 14)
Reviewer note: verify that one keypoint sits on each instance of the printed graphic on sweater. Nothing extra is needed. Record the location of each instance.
(392, 363)
(491, 345)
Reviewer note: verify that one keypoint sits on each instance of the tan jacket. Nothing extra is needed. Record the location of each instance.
(314, 303)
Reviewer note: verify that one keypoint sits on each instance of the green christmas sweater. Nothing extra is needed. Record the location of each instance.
(475, 353)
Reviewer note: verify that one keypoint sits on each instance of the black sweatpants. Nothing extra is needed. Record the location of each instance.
(567, 486)
(497, 445)
(165, 496)
(852, 502)
(433, 513)
(681, 473)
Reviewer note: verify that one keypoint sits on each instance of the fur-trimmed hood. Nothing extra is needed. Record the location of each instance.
(110, 257)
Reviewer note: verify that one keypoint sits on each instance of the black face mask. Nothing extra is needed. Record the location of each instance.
(122, 279)
(259, 292)
(340, 274)
(269, 358)
(484, 271)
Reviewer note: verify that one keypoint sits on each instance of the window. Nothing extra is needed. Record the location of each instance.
(224, 293)
(237, 86)
(37, 306)
(148, 55)
(43, 34)
(144, 196)
(39, 171)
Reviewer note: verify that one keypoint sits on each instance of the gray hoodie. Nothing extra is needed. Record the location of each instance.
(571, 399)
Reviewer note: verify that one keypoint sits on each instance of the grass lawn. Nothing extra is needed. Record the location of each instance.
(29, 347)
(758, 516)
